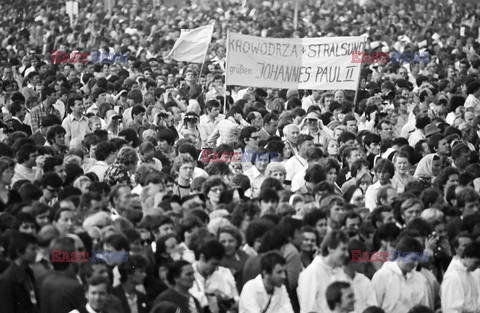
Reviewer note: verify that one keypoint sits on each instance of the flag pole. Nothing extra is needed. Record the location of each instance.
(359, 75)
(295, 15)
(226, 75)
(206, 51)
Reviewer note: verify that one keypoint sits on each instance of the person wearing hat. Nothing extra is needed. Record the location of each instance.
(314, 127)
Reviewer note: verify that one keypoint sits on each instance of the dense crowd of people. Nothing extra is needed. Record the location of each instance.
(134, 183)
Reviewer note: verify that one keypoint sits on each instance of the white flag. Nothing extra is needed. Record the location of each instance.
(192, 45)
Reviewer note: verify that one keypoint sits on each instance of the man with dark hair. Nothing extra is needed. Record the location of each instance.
(340, 297)
(41, 111)
(268, 201)
(267, 293)
(299, 161)
(371, 143)
(97, 293)
(461, 156)
(398, 286)
(460, 289)
(105, 155)
(51, 185)
(181, 277)
(208, 121)
(27, 157)
(270, 122)
(138, 115)
(422, 121)
(473, 92)
(132, 273)
(18, 111)
(17, 283)
(385, 129)
(75, 124)
(215, 284)
(384, 171)
(61, 291)
(324, 269)
(40, 136)
(381, 215)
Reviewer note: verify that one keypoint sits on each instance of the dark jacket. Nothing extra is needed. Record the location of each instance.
(38, 138)
(171, 295)
(17, 125)
(143, 304)
(61, 292)
(17, 286)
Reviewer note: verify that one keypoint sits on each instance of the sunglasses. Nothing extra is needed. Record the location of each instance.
(255, 138)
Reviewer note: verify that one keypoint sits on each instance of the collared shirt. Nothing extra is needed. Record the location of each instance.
(252, 173)
(221, 280)
(228, 130)
(154, 162)
(459, 290)
(415, 137)
(132, 300)
(313, 283)
(76, 128)
(295, 165)
(398, 293)
(363, 291)
(471, 102)
(321, 137)
(255, 299)
(206, 127)
(308, 102)
(99, 169)
(371, 196)
(23, 172)
(38, 113)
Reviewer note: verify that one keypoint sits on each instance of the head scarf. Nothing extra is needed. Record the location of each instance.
(424, 167)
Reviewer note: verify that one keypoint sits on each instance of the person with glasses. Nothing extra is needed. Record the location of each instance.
(212, 189)
(249, 137)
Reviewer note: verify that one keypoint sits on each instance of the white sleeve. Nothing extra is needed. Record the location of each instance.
(307, 292)
(378, 283)
(452, 295)
(248, 303)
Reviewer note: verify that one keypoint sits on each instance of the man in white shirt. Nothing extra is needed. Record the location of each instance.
(419, 134)
(398, 286)
(105, 155)
(324, 269)
(298, 162)
(460, 290)
(384, 170)
(208, 121)
(473, 92)
(312, 99)
(409, 127)
(362, 286)
(214, 285)
(267, 293)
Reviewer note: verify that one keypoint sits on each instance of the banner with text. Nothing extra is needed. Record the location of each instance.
(308, 63)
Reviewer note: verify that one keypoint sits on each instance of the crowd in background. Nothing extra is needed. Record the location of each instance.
(237, 198)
